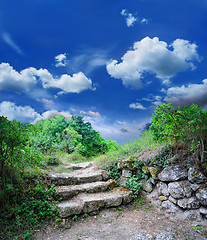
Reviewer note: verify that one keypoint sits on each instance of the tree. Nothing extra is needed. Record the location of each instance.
(187, 125)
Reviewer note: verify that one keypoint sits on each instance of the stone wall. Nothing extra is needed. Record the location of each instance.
(175, 189)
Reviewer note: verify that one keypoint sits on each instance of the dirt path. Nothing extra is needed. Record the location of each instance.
(125, 223)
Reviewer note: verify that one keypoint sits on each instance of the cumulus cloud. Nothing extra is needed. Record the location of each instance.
(153, 56)
(130, 19)
(76, 83)
(186, 95)
(8, 39)
(22, 114)
(27, 114)
(61, 60)
(137, 106)
(11, 80)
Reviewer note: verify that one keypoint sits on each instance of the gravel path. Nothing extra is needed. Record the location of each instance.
(137, 221)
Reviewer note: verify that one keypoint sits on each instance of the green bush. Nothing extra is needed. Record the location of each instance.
(186, 127)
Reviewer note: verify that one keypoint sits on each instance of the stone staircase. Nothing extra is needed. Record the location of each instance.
(86, 189)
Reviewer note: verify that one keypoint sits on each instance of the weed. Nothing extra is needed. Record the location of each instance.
(134, 184)
(75, 218)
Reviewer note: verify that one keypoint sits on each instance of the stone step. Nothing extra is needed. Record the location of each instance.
(87, 203)
(87, 175)
(78, 166)
(67, 192)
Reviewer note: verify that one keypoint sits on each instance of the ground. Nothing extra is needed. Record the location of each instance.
(123, 222)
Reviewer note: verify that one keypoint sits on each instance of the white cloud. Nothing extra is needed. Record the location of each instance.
(27, 113)
(130, 19)
(22, 114)
(61, 60)
(137, 106)
(91, 113)
(11, 80)
(7, 38)
(88, 60)
(121, 131)
(186, 95)
(153, 56)
(70, 84)
(144, 20)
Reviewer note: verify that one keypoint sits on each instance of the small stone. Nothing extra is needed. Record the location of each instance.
(196, 176)
(147, 186)
(141, 236)
(202, 195)
(195, 186)
(189, 203)
(163, 189)
(122, 182)
(164, 236)
(203, 212)
(173, 200)
(162, 198)
(65, 223)
(173, 173)
(126, 173)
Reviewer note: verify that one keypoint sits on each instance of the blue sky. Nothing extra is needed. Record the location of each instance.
(111, 61)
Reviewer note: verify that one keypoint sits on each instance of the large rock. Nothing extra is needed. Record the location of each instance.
(180, 189)
(193, 215)
(126, 164)
(162, 189)
(196, 176)
(189, 203)
(164, 236)
(173, 173)
(170, 207)
(154, 171)
(147, 186)
(201, 195)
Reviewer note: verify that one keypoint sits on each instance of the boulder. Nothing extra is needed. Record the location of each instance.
(201, 195)
(170, 207)
(188, 203)
(162, 189)
(180, 189)
(173, 173)
(196, 176)
(147, 186)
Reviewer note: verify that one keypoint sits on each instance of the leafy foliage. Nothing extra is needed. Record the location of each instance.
(134, 184)
(186, 127)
